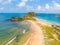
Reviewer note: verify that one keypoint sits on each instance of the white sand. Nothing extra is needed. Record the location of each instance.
(37, 37)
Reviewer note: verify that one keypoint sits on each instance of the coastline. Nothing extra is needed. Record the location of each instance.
(46, 22)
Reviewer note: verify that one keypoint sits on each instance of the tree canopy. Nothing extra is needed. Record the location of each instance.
(31, 14)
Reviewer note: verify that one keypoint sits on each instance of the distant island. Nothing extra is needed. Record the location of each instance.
(57, 15)
(28, 16)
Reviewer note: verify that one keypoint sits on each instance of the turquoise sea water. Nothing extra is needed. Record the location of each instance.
(7, 28)
(48, 17)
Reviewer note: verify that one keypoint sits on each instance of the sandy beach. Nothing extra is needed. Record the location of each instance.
(37, 36)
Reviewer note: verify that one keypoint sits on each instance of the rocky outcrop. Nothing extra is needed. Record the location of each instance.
(58, 15)
(16, 19)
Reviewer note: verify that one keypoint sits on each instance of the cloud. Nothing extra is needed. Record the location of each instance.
(56, 6)
(9, 0)
(44, 8)
(0, 1)
(22, 3)
(1, 8)
(5, 1)
(30, 5)
(34, 9)
(47, 6)
(24, 0)
(30, 0)
(39, 7)
(30, 8)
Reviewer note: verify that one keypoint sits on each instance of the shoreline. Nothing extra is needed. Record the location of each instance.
(46, 21)
(42, 22)
(50, 22)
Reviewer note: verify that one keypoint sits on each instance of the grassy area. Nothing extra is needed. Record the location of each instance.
(48, 31)
(54, 42)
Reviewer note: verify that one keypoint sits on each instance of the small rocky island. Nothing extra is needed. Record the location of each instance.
(57, 15)
(28, 16)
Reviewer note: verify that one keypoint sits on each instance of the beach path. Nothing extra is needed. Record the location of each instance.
(37, 37)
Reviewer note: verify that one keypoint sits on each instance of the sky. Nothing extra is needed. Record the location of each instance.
(23, 6)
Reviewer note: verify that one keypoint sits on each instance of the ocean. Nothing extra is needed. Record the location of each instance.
(7, 28)
(51, 18)
(48, 17)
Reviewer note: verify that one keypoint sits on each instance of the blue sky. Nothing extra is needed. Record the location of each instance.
(22, 6)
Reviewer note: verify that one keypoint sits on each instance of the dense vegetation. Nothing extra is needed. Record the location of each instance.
(52, 34)
(30, 14)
